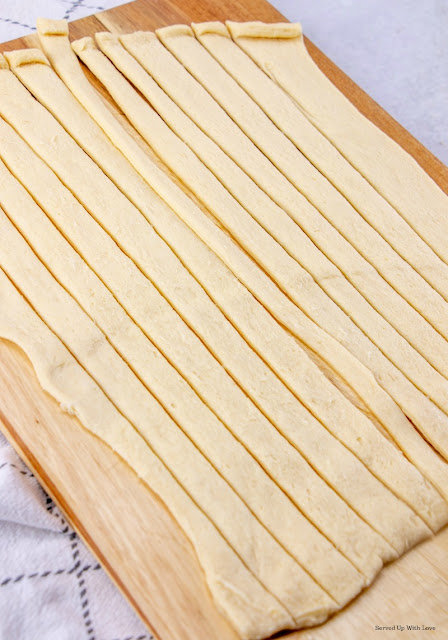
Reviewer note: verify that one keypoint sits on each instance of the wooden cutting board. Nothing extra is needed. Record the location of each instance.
(125, 525)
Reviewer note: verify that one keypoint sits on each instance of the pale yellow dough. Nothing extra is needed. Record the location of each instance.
(276, 570)
(236, 465)
(357, 376)
(179, 366)
(370, 499)
(183, 349)
(228, 578)
(377, 212)
(397, 275)
(276, 262)
(198, 103)
(174, 152)
(390, 170)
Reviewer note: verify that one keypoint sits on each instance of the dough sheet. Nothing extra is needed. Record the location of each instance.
(189, 337)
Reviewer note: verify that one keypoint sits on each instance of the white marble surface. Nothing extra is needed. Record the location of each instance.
(396, 50)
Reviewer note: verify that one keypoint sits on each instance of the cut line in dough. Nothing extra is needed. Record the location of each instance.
(61, 376)
(390, 169)
(159, 321)
(399, 387)
(293, 367)
(270, 505)
(262, 287)
(369, 204)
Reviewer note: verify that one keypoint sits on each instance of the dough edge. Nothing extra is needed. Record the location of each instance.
(201, 28)
(22, 57)
(264, 30)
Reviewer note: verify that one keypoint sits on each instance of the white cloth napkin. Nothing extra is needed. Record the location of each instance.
(18, 17)
(51, 587)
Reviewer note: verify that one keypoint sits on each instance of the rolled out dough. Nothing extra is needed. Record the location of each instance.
(379, 301)
(281, 352)
(182, 348)
(329, 317)
(284, 579)
(303, 541)
(59, 374)
(369, 204)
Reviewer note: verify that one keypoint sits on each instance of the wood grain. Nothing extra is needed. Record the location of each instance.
(122, 521)
(125, 525)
